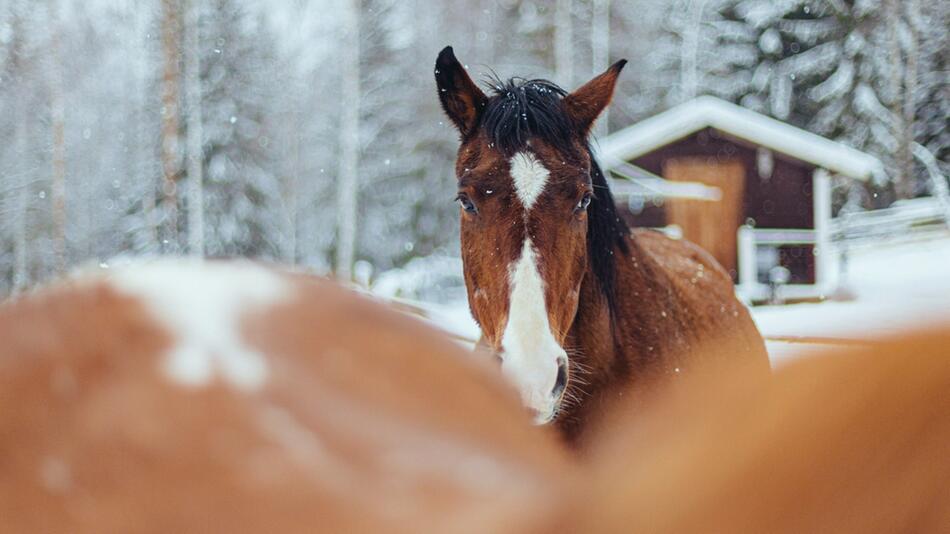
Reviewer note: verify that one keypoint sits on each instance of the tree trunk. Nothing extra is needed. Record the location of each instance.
(899, 73)
(600, 51)
(171, 47)
(905, 152)
(563, 44)
(689, 56)
(144, 171)
(21, 277)
(194, 137)
(484, 37)
(58, 126)
(347, 203)
(22, 168)
(292, 187)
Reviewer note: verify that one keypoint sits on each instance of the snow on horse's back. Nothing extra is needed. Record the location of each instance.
(182, 395)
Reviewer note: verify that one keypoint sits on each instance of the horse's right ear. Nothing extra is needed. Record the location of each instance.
(461, 99)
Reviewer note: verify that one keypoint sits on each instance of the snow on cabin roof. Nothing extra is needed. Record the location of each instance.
(707, 111)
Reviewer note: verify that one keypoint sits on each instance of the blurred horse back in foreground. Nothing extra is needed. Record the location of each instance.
(856, 441)
(188, 396)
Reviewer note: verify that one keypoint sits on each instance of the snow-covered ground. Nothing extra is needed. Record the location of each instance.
(893, 287)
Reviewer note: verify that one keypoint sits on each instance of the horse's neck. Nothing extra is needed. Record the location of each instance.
(592, 334)
(597, 359)
(599, 342)
(596, 329)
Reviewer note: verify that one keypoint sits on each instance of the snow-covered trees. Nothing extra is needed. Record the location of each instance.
(932, 108)
(171, 116)
(348, 176)
(195, 136)
(865, 72)
(18, 187)
(240, 90)
(563, 42)
(111, 144)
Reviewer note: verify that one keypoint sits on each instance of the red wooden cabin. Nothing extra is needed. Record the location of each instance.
(752, 190)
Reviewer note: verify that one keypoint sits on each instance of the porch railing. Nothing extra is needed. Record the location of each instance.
(749, 241)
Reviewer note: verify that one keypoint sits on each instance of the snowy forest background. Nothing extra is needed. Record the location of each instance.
(245, 128)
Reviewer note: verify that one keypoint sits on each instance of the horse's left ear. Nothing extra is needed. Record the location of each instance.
(586, 103)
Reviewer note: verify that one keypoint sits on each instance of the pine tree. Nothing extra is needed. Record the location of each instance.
(242, 190)
(407, 180)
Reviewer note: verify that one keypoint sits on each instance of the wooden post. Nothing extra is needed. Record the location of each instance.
(748, 271)
(824, 249)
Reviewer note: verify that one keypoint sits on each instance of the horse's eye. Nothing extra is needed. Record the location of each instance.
(466, 203)
(583, 203)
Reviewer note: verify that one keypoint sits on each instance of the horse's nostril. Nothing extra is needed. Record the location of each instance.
(561, 381)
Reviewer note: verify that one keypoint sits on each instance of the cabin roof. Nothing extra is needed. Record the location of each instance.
(711, 112)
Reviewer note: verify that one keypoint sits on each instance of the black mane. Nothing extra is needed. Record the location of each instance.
(606, 232)
(520, 109)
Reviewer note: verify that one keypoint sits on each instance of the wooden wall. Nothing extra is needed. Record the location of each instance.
(783, 200)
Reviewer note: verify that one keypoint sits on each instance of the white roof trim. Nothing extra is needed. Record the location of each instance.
(707, 111)
(660, 188)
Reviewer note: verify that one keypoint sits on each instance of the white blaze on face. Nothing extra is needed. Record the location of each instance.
(530, 177)
(531, 353)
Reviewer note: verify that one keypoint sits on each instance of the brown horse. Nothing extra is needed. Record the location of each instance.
(579, 309)
(183, 396)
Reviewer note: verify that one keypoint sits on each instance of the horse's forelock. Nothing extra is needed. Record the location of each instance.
(521, 109)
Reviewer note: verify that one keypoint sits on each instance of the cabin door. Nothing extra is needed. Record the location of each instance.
(710, 224)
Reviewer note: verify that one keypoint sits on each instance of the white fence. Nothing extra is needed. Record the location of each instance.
(908, 219)
(752, 261)
(903, 218)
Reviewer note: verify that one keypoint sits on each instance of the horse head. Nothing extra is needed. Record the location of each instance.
(534, 210)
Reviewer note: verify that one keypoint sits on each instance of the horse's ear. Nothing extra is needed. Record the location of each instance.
(461, 99)
(586, 103)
